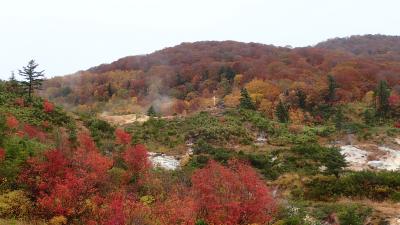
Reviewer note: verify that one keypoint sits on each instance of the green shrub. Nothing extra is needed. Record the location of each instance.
(351, 217)
(310, 158)
(231, 127)
(17, 150)
(347, 213)
(395, 196)
(364, 184)
(201, 222)
(373, 185)
(102, 133)
(322, 188)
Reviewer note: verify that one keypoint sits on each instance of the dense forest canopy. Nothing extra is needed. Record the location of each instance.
(184, 78)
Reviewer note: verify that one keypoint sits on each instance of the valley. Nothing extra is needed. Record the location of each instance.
(209, 133)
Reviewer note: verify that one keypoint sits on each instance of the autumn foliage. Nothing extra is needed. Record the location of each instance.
(185, 78)
(231, 195)
(122, 137)
(74, 183)
(33, 132)
(19, 102)
(2, 154)
(136, 159)
(12, 122)
(62, 180)
(48, 107)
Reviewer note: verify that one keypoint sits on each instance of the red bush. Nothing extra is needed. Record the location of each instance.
(48, 107)
(122, 137)
(19, 102)
(115, 212)
(90, 163)
(178, 208)
(2, 154)
(318, 119)
(394, 100)
(33, 132)
(63, 182)
(12, 122)
(46, 124)
(121, 208)
(136, 158)
(234, 195)
(397, 124)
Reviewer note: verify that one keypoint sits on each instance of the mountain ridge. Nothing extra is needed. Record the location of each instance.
(338, 43)
(190, 73)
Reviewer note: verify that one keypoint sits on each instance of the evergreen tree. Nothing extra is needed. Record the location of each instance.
(33, 78)
(382, 95)
(180, 80)
(334, 161)
(228, 73)
(245, 100)
(369, 116)
(301, 96)
(13, 85)
(282, 112)
(331, 89)
(151, 112)
(338, 119)
(110, 90)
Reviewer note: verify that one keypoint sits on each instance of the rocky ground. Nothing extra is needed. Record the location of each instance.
(372, 156)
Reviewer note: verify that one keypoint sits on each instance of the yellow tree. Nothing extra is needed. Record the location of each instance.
(260, 89)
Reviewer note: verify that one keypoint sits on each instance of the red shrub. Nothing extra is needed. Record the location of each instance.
(46, 124)
(63, 198)
(234, 195)
(318, 119)
(115, 212)
(178, 208)
(2, 154)
(394, 100)
(48, 107)
(12, 122)
(121, 208)
(122, 137)
(19, 102)
(42, 175)
(397, 124)
(136, 159)
(63, 182)
(33, 132)
(90, 163)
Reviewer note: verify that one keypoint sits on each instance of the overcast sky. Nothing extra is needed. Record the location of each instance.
(65, 36)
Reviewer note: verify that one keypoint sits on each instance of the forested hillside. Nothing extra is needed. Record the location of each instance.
(380, 47)
(184, 78)
(208, 133)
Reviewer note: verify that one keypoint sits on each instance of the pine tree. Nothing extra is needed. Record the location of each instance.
(301, 96)
(282, 112)
(245, 100)
(228, 73)
(151, 112)
(13, 84)
(180, 80)
(369, 116)
(331, 89)
(33, 78)
(339, 119)
(382, 95)
(110, 90)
